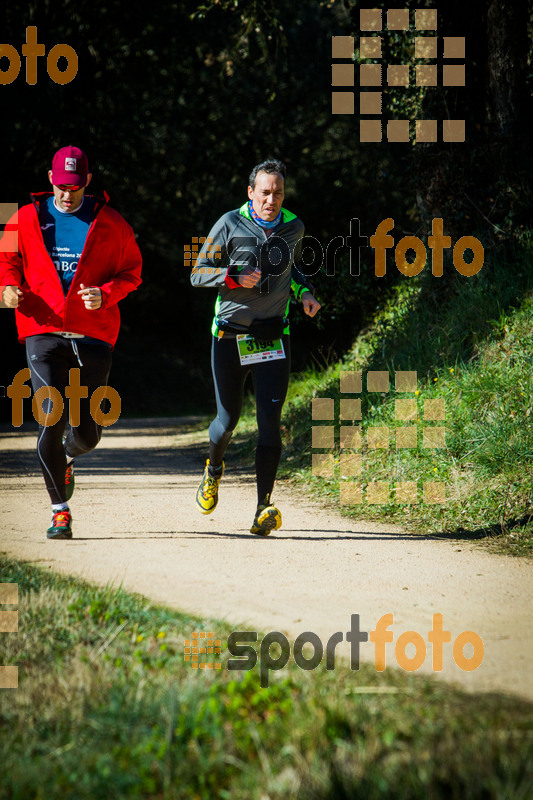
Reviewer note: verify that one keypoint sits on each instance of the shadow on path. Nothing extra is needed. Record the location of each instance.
(109, 458)
(186, 458)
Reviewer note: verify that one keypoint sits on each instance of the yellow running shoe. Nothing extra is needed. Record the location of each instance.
(207, 494)
(267, 518)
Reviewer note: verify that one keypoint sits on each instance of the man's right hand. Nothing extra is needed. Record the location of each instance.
(249, 279)
(12, 296)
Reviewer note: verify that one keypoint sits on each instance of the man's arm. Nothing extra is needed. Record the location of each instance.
(11, 296)
(208, 270)
(301, 285)
(91, 296)
(126, 278)
(247, 279)
(11, 266)
(310, 304)
(212, 268)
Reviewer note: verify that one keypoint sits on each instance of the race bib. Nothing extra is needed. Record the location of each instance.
(253, 350)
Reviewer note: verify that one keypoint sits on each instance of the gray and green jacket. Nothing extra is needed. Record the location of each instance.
(236, 242)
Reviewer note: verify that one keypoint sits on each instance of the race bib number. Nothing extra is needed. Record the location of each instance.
(253, 350)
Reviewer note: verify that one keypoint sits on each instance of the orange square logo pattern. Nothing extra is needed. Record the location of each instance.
(335, 413)
(421, 24)
(201, 649)
(8, 624)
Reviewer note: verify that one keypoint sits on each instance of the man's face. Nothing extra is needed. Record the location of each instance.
(68, 200)
(268, 194)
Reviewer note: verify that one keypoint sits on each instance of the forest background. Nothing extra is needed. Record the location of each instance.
(175, 102)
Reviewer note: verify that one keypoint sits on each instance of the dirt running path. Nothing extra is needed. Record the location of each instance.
(135, 521)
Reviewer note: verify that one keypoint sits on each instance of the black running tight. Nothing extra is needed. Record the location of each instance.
(270, 380)
(50, 358)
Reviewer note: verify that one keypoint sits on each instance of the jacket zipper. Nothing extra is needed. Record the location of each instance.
(89, 232)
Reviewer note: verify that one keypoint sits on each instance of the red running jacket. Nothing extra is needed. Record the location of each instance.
(110, 260)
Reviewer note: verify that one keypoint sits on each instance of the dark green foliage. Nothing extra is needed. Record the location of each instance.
(175, 102)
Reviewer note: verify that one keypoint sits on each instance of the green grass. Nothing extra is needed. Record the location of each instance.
(470, 340)
(107, 708)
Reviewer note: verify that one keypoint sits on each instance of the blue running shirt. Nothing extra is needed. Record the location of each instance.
(64, 236)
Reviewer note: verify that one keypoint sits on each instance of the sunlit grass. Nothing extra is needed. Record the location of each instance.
(107, 708)
(471, 343)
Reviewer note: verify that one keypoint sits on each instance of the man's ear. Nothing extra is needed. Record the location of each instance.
(89, 177)
(250, 193)
(50, 176)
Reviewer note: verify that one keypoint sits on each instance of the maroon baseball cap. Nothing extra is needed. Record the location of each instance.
(70, 166)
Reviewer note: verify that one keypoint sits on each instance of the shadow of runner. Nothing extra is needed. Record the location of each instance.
(182, 457)
(109, 458)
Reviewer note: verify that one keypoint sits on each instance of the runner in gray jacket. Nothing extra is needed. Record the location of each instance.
(251, 256)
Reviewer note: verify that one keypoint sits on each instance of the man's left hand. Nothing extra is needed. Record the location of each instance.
(310, 304)
(91, 296)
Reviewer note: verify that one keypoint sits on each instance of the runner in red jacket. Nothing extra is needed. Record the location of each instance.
(65, 262)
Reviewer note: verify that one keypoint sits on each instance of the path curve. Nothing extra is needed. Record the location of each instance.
(135, 522)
